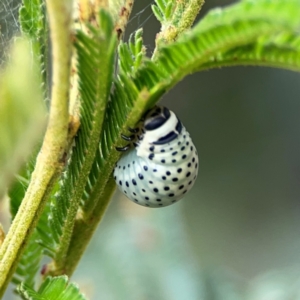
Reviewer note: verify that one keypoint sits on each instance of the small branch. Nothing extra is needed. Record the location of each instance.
(50, 161)
(182, 19)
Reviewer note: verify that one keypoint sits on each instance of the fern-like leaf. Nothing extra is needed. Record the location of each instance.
(95, 67)
(131, 54)
(265, 32)
(53, 288)
(33, 25)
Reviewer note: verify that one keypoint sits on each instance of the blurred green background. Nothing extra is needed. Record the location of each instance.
(236, 234)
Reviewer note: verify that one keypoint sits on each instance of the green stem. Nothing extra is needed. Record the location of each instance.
(85, 228)
(50, 160)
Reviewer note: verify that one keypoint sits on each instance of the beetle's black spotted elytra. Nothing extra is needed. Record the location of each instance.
(161, 164)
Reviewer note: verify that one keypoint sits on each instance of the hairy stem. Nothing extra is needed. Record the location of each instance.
(51, 157)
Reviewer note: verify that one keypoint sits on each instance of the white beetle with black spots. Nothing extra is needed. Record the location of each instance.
(160, 165)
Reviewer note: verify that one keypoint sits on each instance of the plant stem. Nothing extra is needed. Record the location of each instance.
(85, 228)
(50, 160)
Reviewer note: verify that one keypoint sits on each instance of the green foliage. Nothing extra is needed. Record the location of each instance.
(131, 53)
(56, 288)
(223, 37)
(163, 10)
(261, 32)
(22, 115)
(32, 22)
(95, 68)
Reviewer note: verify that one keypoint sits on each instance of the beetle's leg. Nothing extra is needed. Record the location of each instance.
(133, 130)
(123, 149)
(128, 138)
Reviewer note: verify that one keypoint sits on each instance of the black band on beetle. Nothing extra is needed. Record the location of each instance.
(166, 139)
(155, 123)
(179, 126)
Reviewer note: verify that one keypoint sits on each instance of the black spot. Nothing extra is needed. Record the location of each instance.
(184, 136)
(166, 139)
(162, 150)
(192, 148)
(141, 176)
(181, 187)
(187, 143)
(174, 161)
(166, 188)
(115, 177)
(174, 153)
(163, 161)
(147, 205)
(179, 170)
(171, 195)
(155, 190)
(160, 204)
(178, 143)
(195, 176)
(173, 201)
(196, 166)
(120, 182)
(182, 148)
(136, 200)
(168, 173)
(193, 160)
(190, 182)
(133, 181)
(188, 174)
(134, 193)
(189, 165)
(144, 190)
(125, 192)
(183, 156)
(158, 200)
(151, 148)
(133, 162)
(184, 192)
(124, 168)
(127, 184)
(151, 155)
(164, 177)
(179, 127)
(119, 167)
(151, 182)
(154, 170)
(147, 198)
(175, 179)
(145, 168)
(171, 149)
